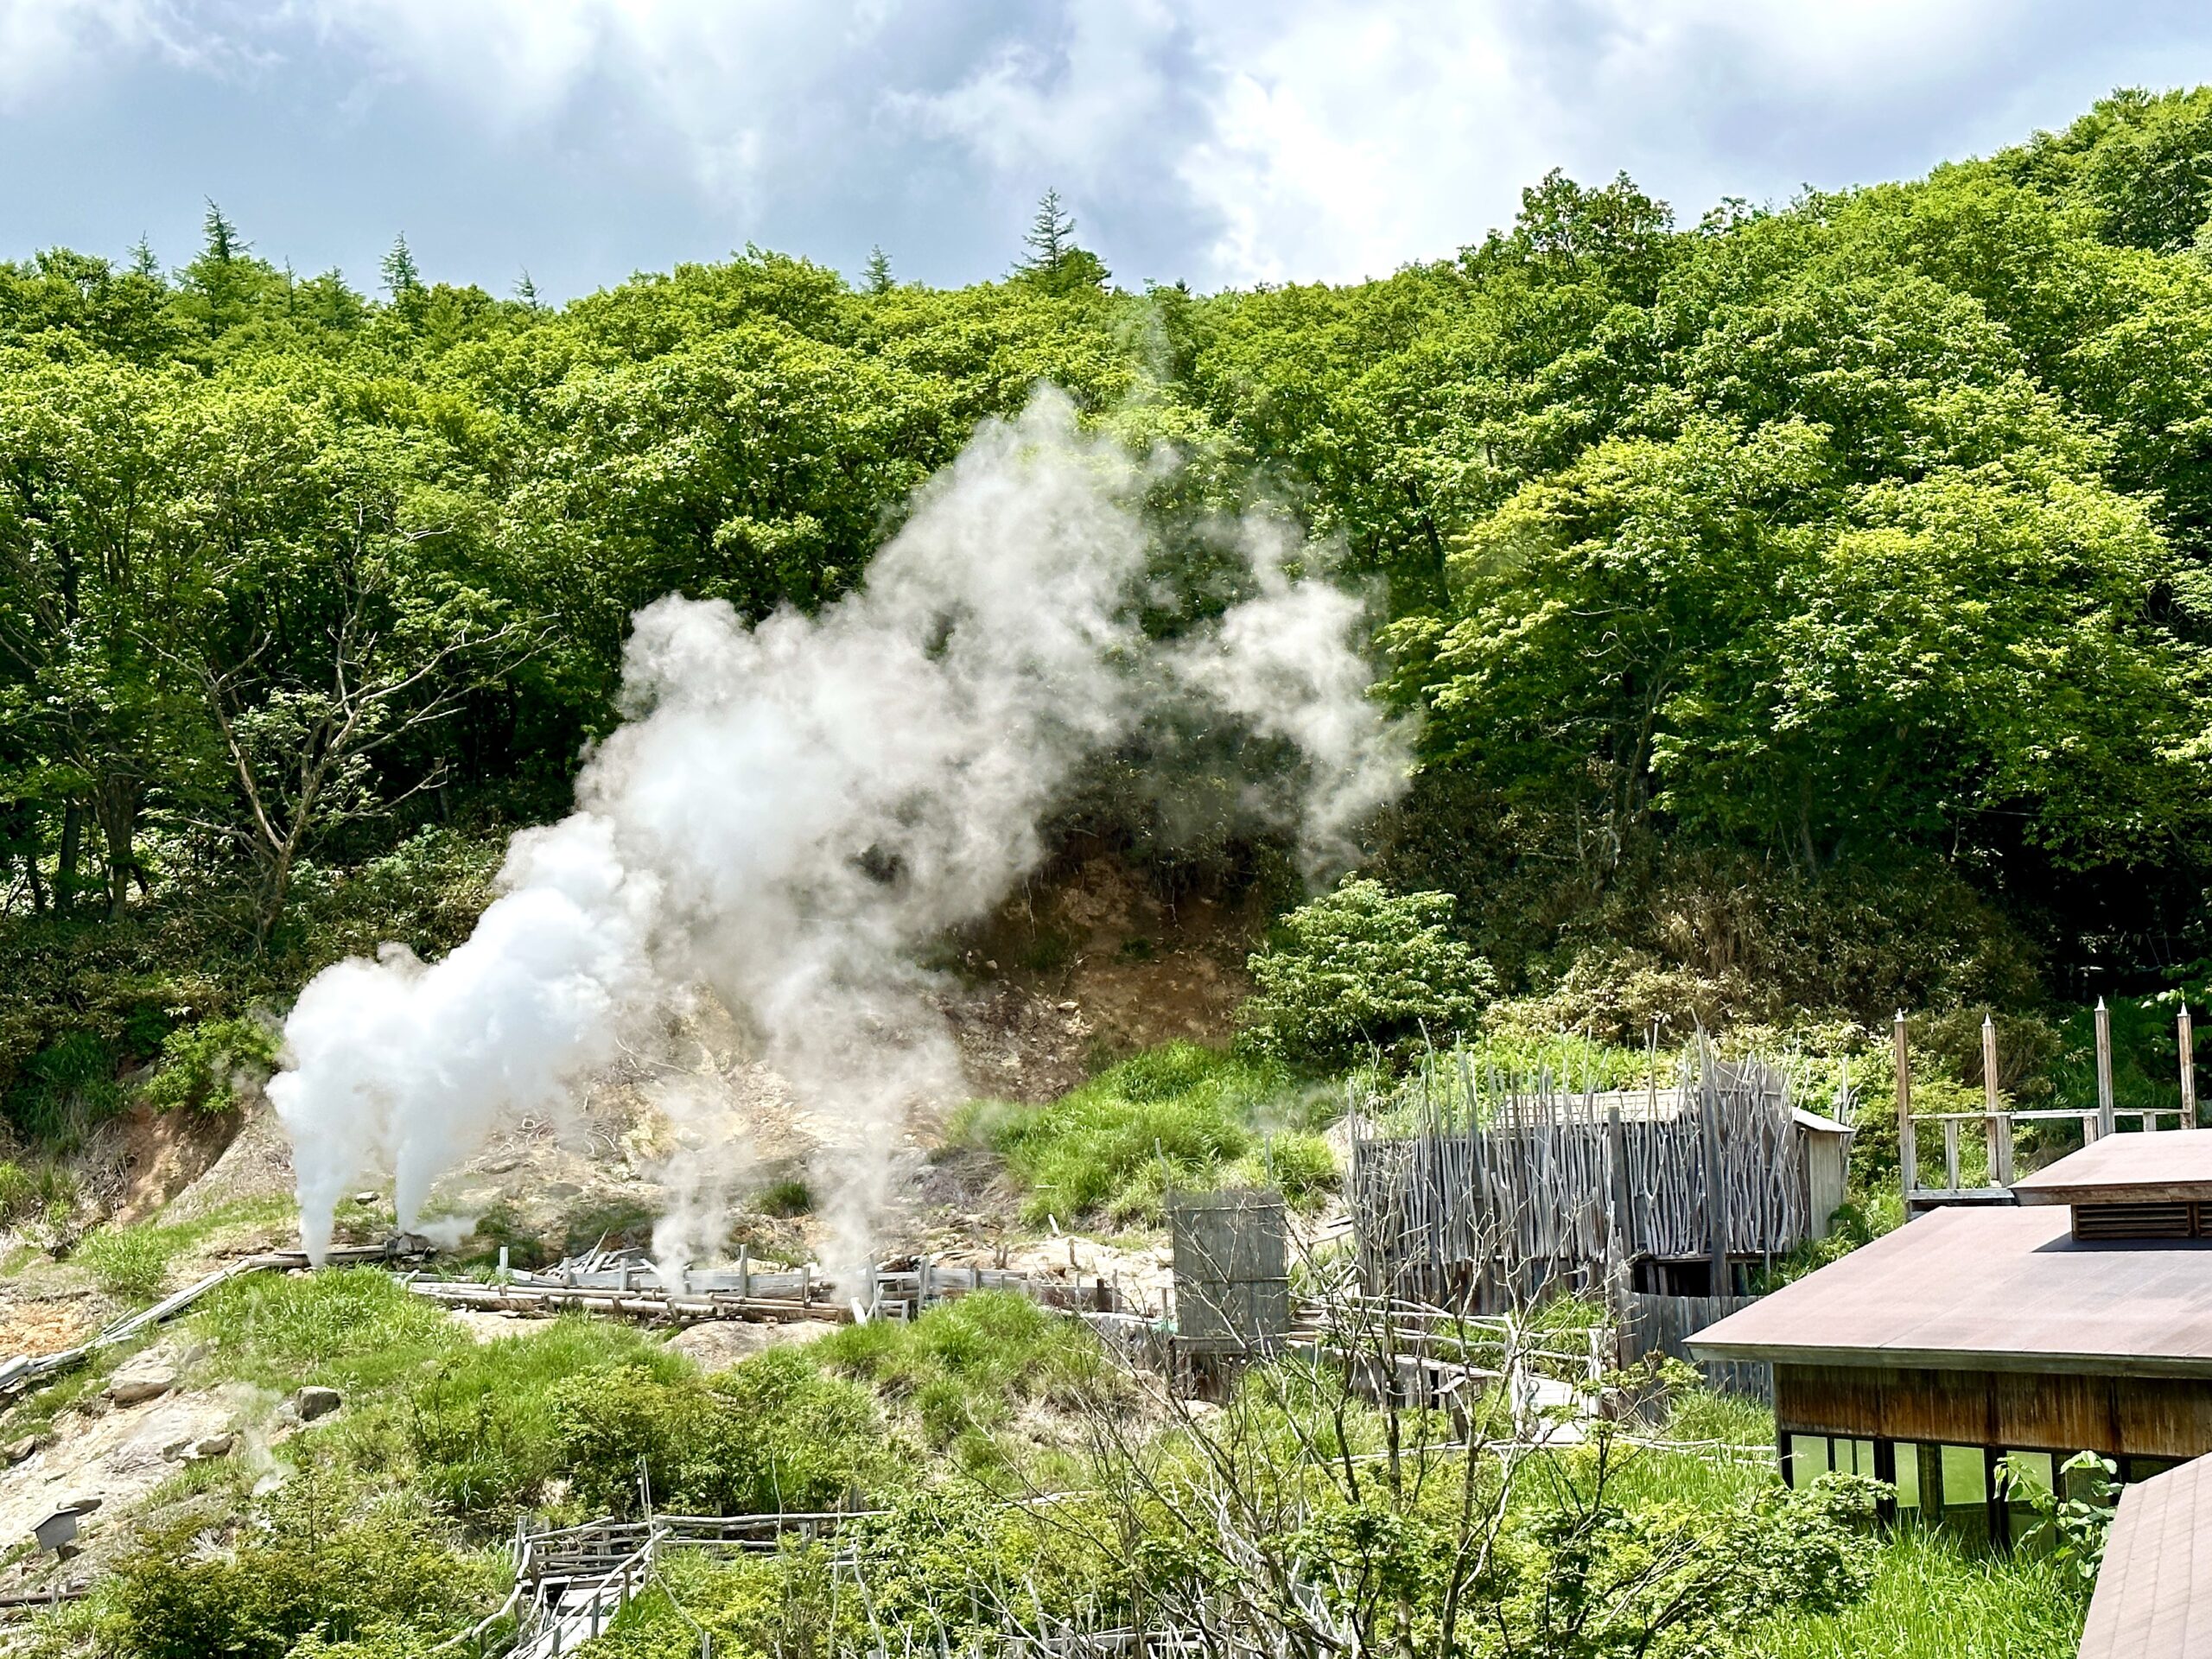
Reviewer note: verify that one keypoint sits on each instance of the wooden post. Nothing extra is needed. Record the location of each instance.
(2187, 1034)
(2105, 1123)
(1931, 1480)
(1623, 1232)
(1998, 1122)
(1908, 1154)
(1716, 1185)
(744, 1272)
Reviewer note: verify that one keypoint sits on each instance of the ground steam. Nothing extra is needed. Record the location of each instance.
(789, 812)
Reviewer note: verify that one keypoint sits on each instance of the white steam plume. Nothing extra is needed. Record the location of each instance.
(789, 812)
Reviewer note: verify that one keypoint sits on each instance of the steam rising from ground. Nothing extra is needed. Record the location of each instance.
(791, 812)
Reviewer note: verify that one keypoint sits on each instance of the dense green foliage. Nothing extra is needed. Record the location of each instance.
(1179, 1115)
(771, 1434)
(1361, 972)
(1807, 607)
(963, 1367)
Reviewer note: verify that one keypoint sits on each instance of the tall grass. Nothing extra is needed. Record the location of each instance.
(1932, 1598)
(134, 1263)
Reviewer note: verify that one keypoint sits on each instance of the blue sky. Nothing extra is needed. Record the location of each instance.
(1220, 141)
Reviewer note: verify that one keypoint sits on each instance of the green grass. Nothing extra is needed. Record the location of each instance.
(1175, 1116)
(964, 1366)
(133, 1264)
(1933, 1599)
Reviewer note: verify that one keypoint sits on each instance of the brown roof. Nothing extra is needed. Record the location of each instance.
(2173, 1165)
(2154, 1592)
(1997, 1288)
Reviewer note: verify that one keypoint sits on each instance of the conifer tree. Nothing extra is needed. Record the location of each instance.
(1051, 237)
(879, 279)
(401, 275)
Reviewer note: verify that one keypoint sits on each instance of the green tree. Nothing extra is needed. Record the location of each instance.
(1359, 972)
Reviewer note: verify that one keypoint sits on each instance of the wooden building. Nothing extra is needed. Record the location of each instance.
(2079, 1319)
(2154, 1591)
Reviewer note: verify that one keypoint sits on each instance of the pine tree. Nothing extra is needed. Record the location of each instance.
(1051, 237)
(224, 245)
(526, 290)
(878, 279)
(142, 262)
(401, 276)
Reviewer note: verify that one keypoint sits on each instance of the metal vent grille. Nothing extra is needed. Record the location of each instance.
(2138, 1221)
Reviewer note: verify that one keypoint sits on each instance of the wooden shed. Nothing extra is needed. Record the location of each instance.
(2080, 1320)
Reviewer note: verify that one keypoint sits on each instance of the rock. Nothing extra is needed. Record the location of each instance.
(147, 1377)
(214, 1445)
(365, 1198)
(309, 1403)
(18, 1450)
(175, 1450)
(717, 1344)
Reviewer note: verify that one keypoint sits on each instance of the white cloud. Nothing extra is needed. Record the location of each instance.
(46, 43)
(1226, 140)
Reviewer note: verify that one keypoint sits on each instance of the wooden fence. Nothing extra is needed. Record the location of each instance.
(1541, 1187)
(1664, 1325)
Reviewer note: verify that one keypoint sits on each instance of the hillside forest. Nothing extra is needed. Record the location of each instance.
(1806, 608)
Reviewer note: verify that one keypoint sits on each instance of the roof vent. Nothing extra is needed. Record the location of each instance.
(2093, 1221)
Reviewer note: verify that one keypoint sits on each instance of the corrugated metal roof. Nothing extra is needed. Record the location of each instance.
(2170, 1167)
(2154, 1592)
(1989, 1289)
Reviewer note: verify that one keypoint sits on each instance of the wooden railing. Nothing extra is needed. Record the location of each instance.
(1997, 1119)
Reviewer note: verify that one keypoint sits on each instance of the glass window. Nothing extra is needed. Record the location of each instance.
(1966, 1477)
(1855, 1457)
(2029, 1469)
(1908, 1475)
(1809, 1459)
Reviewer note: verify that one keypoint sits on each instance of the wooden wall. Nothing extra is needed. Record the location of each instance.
(2119, 1416)
(1651, 1324)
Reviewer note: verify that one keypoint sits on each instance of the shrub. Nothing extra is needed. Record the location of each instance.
(1177, 1116)
(389, 1581)
(771, 1432)
(1362, 970)
(965, 1364)
(201, 1064)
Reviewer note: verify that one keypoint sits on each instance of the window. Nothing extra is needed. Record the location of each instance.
(1808, 1459)
(1908, 1457)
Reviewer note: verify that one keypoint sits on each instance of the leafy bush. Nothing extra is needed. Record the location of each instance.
(771, 1432)
(390, 1581)
(1363, 970)
(200, 1064)
(964, 1365)
(1177, 1115)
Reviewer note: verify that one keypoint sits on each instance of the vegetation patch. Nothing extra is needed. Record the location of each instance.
(1180, 1116)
